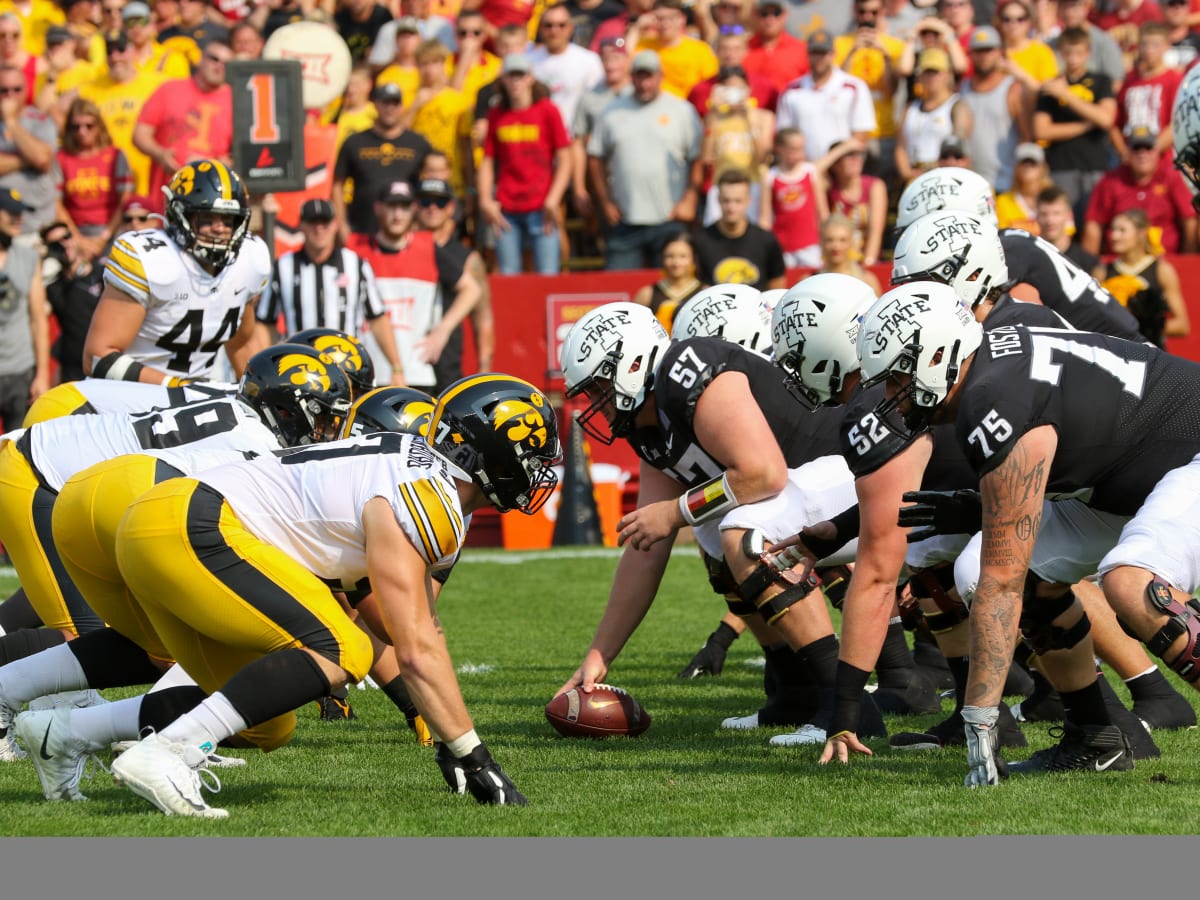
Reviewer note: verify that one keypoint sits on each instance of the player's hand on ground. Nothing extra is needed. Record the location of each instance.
(840, 746)
(590, 673)
(709, 660)
(486, 780)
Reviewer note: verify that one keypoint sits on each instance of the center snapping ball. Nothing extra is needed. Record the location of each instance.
(605, 712)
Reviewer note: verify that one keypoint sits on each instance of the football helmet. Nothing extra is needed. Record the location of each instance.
(946, 187)
(1185, 125)
(207, 186)
(343, 350)
(735, 312)
(503, 433)
(922, 330)
(814, 331)
(299, 394)
(400, 409)
(954, 248)
(772, 297)
(611, 354)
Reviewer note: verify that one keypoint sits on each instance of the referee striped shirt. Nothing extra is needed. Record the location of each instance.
(339, 293)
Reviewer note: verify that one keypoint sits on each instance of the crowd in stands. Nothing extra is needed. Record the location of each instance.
(592, 133)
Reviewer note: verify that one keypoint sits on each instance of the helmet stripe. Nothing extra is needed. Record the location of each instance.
(226, 182)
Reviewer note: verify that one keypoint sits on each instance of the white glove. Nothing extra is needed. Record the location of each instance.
(984, 763)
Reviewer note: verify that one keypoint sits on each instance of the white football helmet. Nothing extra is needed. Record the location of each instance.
(814, 330)
(954, 248)
(1185, 122)
(734, 312)
(946, 187)
(922, 330)
(611, 354)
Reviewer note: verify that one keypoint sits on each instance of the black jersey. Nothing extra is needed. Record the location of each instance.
(687, 368)
(1064, 287)
(1125, 413)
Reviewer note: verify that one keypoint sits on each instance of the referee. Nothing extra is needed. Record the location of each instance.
(324, 285)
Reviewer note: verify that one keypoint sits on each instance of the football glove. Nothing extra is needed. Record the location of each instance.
(710, 659)
(486, 780)
(943, 512)
(985, 766)
(452, 768)
(417, 725)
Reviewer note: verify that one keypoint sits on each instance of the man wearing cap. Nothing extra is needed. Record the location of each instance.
(186, 119)
(937, 115)
(28, 138)
(324, 285)
(954, 153)
(149, 55)
(435, 213)
(24, 328)
(774, 54)
(373, 159)
(1143, 183)
(827, 105)
(686, 61)
(999, 109)
(1074, 115)
(120, 91)
(416, 280)
(645, 168)
(566, 68)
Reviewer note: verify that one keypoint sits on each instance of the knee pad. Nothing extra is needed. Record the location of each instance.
(1184, 620)
(835, 581)
(774, 607)
(934, 584)
(1038, 615)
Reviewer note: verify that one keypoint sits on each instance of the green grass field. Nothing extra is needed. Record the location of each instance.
(517, 626)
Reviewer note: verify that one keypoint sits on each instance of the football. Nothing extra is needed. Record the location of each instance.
(605, 712)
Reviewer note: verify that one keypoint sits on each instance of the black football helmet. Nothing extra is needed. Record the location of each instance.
(300, 396)
(503, 432)
(343, 350)
(399, 409)
(207, 186)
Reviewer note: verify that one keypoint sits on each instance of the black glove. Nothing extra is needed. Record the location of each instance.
(946, 512)
(486, 780)
(710, 659)
(452, 768)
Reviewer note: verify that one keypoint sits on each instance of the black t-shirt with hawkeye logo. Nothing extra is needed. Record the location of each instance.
(754, 258)
(371, 162)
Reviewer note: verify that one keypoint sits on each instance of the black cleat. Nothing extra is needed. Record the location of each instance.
(949, 733)
(1166, 713)
(1043, 705)
(1140, 743)
(335, 709)
(918, 698)
(1088, 748)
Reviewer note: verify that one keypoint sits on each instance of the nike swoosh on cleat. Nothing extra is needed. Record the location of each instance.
(45, 738)
(1101, 766)
(199, 807)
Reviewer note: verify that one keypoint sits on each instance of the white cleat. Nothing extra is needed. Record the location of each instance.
(9, 750)
(74, 699)
(741, 723)
(212, 761)
(804, 736)
(162, 772)
(59, 757)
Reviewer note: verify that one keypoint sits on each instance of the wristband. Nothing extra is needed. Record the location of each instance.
(707, 501)
(116, 366)
(848, 691)
(464, 744)
(724, 636)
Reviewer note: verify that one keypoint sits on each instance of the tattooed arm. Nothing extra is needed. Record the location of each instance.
(1012, 496)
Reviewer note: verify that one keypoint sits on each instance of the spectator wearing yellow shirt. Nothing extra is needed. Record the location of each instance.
(479, 66)
(874, 56)
(1030, 60)
(402, 71)
(357, 111)
(58, 69)
(148, 54)
(440, 112)
(82, 21)
(35, 17)
(1017, 208)
(686, 61)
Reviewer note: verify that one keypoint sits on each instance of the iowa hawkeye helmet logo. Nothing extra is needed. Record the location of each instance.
(521, 422)
(300, 369)
(340, 352)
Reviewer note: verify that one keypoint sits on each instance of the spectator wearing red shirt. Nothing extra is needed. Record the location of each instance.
(186, 119)
(1148, 182)
(1124, 22)
(525, 171)
(733, 44)
(774, 55)
(92, 179)
(1148, 94)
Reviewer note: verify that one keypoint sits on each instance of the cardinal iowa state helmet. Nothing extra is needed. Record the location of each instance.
(503, 432)
(207, 186)
(298, 394)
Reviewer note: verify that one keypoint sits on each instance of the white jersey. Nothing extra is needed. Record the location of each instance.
(190, 314)
(60, 448)
(130, 397)
(309, 502)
